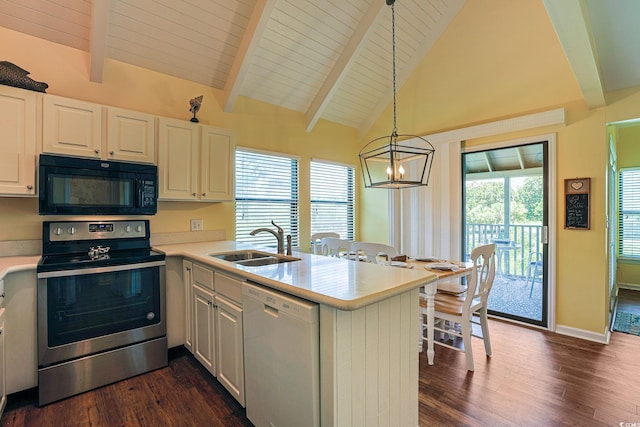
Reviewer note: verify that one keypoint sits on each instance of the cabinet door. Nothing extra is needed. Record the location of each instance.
(217, 167)
(177, 159)
(17, 142)
(204, 330)
(71, 127)
(230, 347)
(187, 275)
(21, 338)
(3, 382)
(130, 136)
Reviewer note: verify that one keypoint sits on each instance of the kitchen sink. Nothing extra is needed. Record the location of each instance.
(251, 258)
(265, 261)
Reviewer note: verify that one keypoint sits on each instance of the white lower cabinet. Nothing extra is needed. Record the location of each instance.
(204, 328)
(3, 381)
(230, 347)
(214, 324)
(187, 268)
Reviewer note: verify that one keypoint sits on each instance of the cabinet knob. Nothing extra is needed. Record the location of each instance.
(29, 187)
(193, 194)
(97, 151)
(111, 153)
(204, 194)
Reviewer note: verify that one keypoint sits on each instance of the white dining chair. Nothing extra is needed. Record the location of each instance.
(372, 250)
(316, 240)
(333, 246)
(455, 315)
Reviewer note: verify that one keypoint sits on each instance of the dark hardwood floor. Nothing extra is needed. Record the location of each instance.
(534, 378)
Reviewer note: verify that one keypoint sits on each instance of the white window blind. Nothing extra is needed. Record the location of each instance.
(266, 190)
(332, 192)
(629, 213)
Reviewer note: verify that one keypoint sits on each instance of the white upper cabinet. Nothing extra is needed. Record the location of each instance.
(217, 168)
(18, 128)
(131, 136)
(78, 128)
(195, 162)
(71, 127)
(178, 144)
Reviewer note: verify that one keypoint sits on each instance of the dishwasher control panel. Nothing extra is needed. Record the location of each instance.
(278, 303)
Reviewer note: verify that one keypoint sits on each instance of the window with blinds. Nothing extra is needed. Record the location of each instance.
(629, 213)
(266, 190)
(332, 196)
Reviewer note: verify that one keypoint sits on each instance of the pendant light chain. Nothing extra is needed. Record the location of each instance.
(393, 54)
(387, 162)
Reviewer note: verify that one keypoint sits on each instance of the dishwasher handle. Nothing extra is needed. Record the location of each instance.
(271, 311)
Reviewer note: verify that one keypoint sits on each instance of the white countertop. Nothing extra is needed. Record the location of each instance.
(17, 263)
(340, 283)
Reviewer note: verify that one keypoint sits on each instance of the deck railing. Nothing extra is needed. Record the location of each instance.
(517, 243)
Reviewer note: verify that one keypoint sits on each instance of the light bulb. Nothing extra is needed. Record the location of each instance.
(389, 172)
(401, 172)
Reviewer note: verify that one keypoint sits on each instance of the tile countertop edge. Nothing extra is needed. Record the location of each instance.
(197, 252)
(17, 263)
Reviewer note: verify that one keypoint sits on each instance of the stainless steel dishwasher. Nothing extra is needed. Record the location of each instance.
(281, 348)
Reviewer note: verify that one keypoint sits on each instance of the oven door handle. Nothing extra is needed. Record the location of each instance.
(96, 270)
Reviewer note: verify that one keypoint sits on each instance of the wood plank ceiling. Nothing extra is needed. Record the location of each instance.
(329, 59)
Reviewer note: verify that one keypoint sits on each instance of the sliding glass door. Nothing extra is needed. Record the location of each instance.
(505, 201)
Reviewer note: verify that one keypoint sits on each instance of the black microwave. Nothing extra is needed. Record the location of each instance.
(78, 186)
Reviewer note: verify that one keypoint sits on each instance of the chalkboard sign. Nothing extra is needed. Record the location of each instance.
(577, 192)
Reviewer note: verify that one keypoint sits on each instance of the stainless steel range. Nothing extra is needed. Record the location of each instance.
(101, 306)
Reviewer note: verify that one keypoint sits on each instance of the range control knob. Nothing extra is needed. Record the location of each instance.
(58, 231)
(72, 230)
(138, 228)
(127, 229)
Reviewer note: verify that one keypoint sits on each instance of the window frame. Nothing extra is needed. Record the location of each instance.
(292, 226)
(633, 253)
(349, 201)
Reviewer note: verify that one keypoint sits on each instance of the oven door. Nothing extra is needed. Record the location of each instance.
(86, 311)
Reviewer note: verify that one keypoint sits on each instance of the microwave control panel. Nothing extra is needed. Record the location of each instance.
(148, 193)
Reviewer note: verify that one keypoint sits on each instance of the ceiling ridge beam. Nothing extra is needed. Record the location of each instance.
(570, 20)
(98, 44)
(343, 64)
(256, 26)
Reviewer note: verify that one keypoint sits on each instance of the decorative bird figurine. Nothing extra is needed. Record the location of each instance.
(195, 104)
(12, 75)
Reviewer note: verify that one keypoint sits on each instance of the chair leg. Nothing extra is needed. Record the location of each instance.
(468, 348)
(533, 279)
(484, 324)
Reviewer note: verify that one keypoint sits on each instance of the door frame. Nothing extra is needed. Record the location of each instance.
(552, 211)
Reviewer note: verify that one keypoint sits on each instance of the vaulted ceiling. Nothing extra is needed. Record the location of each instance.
(328, 59)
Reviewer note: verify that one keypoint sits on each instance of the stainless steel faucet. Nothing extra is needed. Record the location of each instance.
(279, 235)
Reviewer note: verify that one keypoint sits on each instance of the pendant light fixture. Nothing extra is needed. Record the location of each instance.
(396, 161)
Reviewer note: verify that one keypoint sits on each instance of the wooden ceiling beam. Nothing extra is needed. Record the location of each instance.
(570, 19)
(343, 64)
(256, 26)
(98, 44)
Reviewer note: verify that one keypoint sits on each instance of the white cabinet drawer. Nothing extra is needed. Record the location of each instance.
(229, 287)
(203, 276)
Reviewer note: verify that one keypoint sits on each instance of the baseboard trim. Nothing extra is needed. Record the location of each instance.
(632, 286)
(583, 334)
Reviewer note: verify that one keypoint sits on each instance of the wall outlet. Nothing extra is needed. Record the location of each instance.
(196, 225)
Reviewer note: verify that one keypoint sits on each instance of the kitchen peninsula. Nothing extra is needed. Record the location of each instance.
(369, 326)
